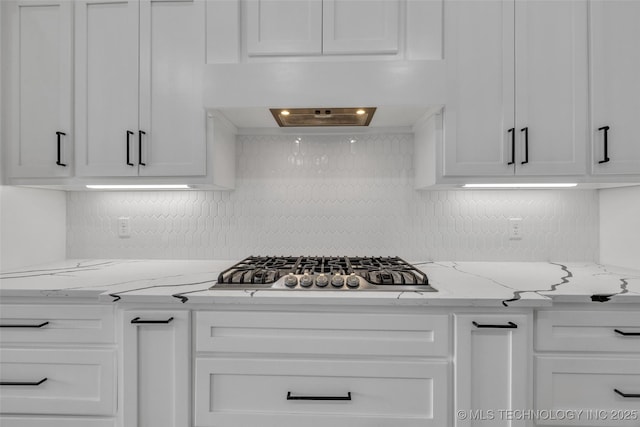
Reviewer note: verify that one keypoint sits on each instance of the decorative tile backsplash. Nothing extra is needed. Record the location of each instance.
(334, 195)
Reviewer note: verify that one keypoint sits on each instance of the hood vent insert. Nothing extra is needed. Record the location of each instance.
(322, 117)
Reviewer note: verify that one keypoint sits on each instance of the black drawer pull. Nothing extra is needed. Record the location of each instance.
(292, 397)
(129, 133)
(140, 133)
(150, 322)
(59, 160)
(627, 395)
(627, 334)
(509, 325)
(606, 144)
(23, 383)
(526, 145)
(513, 146)
(40, 325)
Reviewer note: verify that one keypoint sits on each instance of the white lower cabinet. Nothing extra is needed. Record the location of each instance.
(56, 422)
(58, 365)
(58, 381)
(587, 367)
(156, 368)
(294, 392)
(311, 368)
(492, 365)
(591, 391)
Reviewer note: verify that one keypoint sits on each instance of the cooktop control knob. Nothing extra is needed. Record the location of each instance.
(353, 281)
(322, 281)
(337, 281)
(290, 281)
(306, 281)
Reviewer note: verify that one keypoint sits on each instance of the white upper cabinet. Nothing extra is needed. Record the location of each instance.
(106, 88)
(358, 27)
(322, 27)
(40, 128)
(284, 27)
(480, 88)
(517, 90)
(138, 88)
(615, 71)
(551, 87)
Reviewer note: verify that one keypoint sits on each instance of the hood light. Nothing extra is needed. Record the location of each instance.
(139, 187)
(546, 185)
(360, 112)
(284, 112)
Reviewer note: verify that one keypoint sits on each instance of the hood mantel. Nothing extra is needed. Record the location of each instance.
(419, 84)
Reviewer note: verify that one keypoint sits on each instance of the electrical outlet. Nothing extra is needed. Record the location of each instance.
(124, 227)
(515, 228)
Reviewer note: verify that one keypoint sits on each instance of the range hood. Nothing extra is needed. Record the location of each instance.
(402, 92)
(322, 117)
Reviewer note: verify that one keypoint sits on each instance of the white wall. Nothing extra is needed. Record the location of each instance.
(32, 226)
(620, 226)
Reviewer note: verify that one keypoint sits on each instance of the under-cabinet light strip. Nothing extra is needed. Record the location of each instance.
(138, 187)
(527, 185)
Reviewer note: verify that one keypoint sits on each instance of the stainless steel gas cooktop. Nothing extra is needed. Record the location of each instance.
(324, 273)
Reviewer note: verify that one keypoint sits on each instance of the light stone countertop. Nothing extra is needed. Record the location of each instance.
(471, 284)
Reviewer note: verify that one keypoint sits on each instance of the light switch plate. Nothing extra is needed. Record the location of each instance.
(515, 228)
(124, 227)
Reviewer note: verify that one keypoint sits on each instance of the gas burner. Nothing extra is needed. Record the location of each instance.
(324, 273)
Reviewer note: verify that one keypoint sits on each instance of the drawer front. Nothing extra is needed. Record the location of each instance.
(323, 333)
(235, 392)
(57, 323)
(77, 381)
(55, 422)
(589, 384)
(594, 331)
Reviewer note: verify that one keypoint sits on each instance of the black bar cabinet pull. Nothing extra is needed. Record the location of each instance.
(292, 397)
(129, 133)
(148, 322)
(39, 325)
(59, 137)
(627, 334)
(22, 383)
(606, 144)
(509, 325)
(140, 133)
(513, 146)
(627, 395)
(526, 145)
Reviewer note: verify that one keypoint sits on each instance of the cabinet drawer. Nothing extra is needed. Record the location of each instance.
(235, 392)
(56, 324)
(323, 333)
(22, 421)
(604, 331)
(77, 381)
(575, 383)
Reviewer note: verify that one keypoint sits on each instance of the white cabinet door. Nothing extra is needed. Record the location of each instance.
(67, 381)
(605, 389)
(551, 87)
(156, 369)
(517, 88)
(480, 105)
(615, 67)
(271, 392)
(284, 27)
(49, 421)
(42, 89)
(172, 56)
(106, 87)
(491, 368)
(360, 27)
